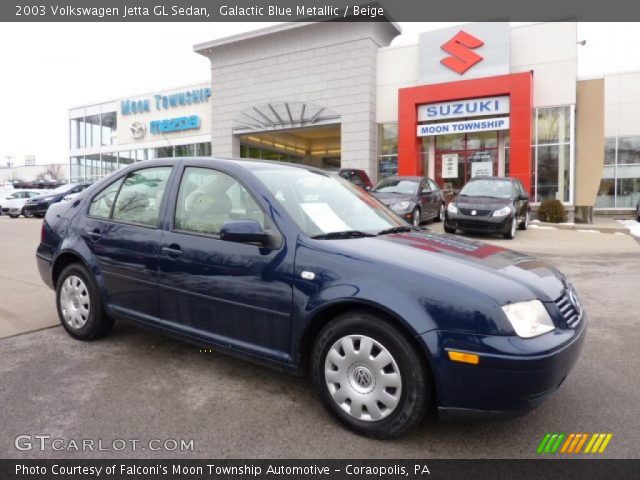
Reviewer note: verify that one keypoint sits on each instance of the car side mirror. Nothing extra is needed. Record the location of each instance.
(456, 191)
(523, 196)
(243, 231)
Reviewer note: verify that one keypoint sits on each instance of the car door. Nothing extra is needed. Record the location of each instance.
(427, 199)
(122, 231)
(232, 294)
(521, 203)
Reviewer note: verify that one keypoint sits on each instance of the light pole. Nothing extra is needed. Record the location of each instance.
(9, 158)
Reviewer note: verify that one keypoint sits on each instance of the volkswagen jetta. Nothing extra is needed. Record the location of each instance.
(300, 270)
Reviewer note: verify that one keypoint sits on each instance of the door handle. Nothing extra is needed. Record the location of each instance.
(94, 234)
(172, 250)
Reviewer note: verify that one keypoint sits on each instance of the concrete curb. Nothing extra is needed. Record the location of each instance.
(587, 227)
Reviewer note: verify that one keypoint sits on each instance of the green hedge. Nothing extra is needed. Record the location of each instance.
(552, 211)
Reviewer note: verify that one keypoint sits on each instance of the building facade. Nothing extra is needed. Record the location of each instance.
(472, 100)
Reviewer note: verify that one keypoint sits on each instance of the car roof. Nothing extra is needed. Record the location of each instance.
(404, 177)
(508, 179)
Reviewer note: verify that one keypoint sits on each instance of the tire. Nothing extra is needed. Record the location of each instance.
(449, 229)
(440, 216)
(408, 394)
(26, 213)
(77, 289)
(525, 223)
(416, 217)
(510, 234)
(13, 216)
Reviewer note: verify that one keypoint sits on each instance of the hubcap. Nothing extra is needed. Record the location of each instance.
(514, 226)
(363, 378)
(526, 220)
(416, 218)
(441, 212)
(74, 302)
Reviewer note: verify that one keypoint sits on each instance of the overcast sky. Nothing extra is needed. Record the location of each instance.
(48, 68)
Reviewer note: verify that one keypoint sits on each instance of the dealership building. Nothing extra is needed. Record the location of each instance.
(466, 101)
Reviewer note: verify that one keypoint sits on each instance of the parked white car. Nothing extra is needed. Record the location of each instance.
(13, 203)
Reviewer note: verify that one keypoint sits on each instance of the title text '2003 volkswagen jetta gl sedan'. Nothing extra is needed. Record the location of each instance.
(298, 269)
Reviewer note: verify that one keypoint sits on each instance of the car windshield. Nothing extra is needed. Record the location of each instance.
(321, 203)
(488, 188)
(397, 185)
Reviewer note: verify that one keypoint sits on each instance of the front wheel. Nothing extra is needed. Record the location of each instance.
(13, 216)
(79, 305)
(369, 376)
(416, 217)
(525, 223)
(440, 216)
(449, 229)
(27, 213)
(510, 234)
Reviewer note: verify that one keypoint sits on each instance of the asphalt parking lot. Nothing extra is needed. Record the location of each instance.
(141, 385)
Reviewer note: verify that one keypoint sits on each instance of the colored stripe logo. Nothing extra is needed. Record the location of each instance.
(553, 443)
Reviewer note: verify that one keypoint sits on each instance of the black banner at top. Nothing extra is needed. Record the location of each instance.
(305, 10)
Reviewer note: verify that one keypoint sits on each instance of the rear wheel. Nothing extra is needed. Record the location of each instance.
(369, 376)
(27, 213)
(79, 305)
(13, 216)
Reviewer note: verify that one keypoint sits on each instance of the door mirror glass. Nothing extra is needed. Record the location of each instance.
(243, 231)
(523, 196)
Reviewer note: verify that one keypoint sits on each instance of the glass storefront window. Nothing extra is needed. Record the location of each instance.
(620, 184)
(93, 169)
(76, 133)
(387, 165)
(609, 151)
(387, 138)
(184, 150)
(451, 142)
(553, 172)
(203, 149)
(125, 158)
(551, 153)
(482, 140)
(164, 152)
(109, 162)
(77, 169)
(554, 125)
(92, 131)
(108, 123)
(628, 150)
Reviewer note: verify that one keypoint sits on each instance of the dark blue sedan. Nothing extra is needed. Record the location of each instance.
(298, 269)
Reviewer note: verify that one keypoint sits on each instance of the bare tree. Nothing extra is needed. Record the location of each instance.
(55, 171)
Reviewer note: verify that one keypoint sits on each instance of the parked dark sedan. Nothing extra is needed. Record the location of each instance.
(296, 268)
(415, 199)
(37, 206)
(489, 205)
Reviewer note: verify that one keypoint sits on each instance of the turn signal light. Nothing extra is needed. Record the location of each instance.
(464, 357)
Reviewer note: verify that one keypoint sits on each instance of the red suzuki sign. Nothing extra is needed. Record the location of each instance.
(461, 47)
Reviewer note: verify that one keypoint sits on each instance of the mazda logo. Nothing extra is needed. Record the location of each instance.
(138, 130)
(362, 376)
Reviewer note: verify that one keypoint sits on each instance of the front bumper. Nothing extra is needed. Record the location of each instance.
(478, 224)
(36, 208)
(514, 375)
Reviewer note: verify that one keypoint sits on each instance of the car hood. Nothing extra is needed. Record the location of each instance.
(505, 275)
(392, 198)
(481, 203)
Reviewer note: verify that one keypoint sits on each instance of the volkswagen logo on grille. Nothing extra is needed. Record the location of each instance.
(138, 130)
(362, 376)
(573, 298)
(474, 212)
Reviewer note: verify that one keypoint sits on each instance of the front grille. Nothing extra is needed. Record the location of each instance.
(476, 225)
(570, 310)
(479, 213)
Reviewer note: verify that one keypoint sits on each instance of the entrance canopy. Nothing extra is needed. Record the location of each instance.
(283, 116)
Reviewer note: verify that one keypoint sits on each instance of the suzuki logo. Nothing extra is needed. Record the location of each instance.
(460, 48)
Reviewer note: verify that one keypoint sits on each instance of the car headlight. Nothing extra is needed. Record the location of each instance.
(452, 208)
(503, 212)
(397, 207)
(529, 319)
(47, 199)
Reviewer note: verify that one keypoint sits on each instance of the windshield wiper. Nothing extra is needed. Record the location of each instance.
(343, 234)
(400, 229)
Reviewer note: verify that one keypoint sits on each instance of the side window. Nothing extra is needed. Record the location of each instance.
(101, 204)
(434, 186)
(426, 187)
(207, 198)
(141, 196)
